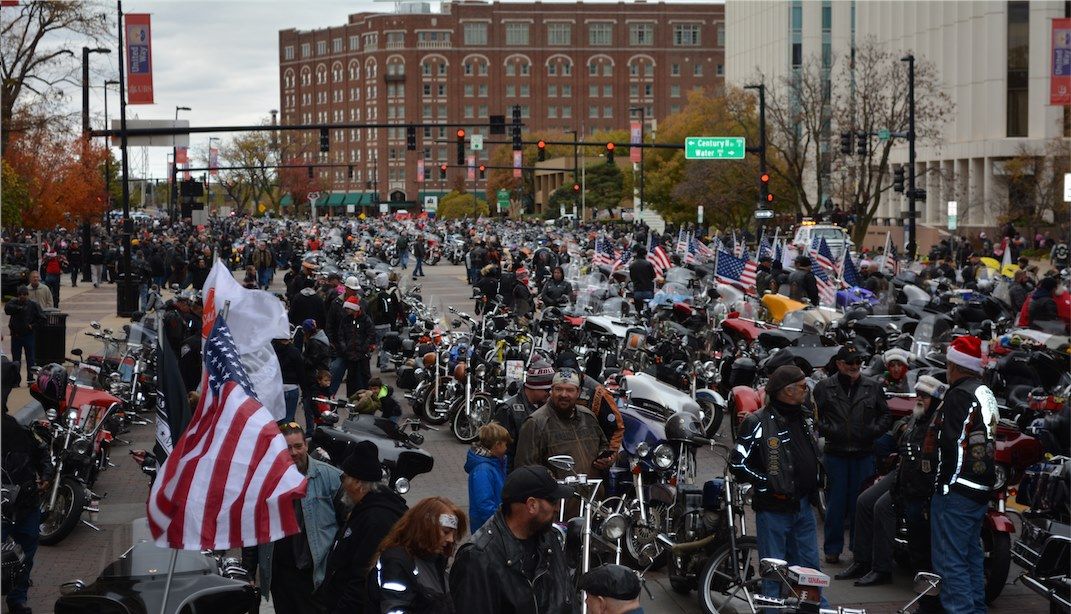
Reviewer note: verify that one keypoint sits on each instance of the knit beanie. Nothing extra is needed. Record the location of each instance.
(782, 377)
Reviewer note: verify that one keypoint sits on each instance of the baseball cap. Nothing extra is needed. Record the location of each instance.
(533, 481)
(612, 581)
(850, 352)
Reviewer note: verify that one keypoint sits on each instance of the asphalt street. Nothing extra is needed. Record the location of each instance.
(85, 552)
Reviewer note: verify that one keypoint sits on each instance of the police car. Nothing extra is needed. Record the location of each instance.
(836, 237)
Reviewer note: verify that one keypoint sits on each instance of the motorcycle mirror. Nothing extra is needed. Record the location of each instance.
(456, 322)
(771, 566)
(74, 586)
(927, 583)
(401, 486)
(76, 351)
(94, 324)
(562, 461)
(329, 417)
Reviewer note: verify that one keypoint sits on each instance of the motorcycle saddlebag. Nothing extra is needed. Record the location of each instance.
(407, 379)
(11, 561)
(392, 342)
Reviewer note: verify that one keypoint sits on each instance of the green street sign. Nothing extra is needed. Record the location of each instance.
(883, 135)
(503, 200)
(714, 148)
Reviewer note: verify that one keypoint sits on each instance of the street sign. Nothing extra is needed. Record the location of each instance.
(476, 142)
(951, 222)
(883, 135)
(763, 214)
(953, 210)
(1067, 187)
(635, 138)
(517, 164)
(158, 140)
(384, 207)
(699, 214)
(431, 204)
(714, 148)
(503, 200)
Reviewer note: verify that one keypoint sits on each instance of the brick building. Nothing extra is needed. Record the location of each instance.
(568, 66)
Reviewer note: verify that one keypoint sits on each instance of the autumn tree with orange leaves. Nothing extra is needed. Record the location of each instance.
(61, 177)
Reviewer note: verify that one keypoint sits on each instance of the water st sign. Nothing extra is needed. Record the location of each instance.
(503, 200)
(714, 148)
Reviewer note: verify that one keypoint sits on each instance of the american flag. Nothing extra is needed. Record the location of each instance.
(604, 252)
(738, 247)
(692, 257)
(704, 251)
(682, 242)
(736, 271)
(851, 274)
(622, 261)
(821, 254)
(657, 256)
(827, 292)
(765, 249)
(229, 481)
(892, 265)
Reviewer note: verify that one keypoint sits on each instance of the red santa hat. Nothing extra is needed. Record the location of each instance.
(966, 351)
(352, 303)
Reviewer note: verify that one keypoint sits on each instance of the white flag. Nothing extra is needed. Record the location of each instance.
(255, 318)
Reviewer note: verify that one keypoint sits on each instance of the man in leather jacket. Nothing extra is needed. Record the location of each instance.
(852, 415)
(512, 412)
(965, 427)
(514, 564)
(802, 283)
(25, 465)
(777, 452)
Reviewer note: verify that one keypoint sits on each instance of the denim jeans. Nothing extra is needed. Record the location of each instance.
(956, 528)
(845, 478)
(264, 276)
(338, 371)
(875, 526)
(75, 272)
(291, 397)
(418, 268)
(384, 359)
(24, 530)
(53, 283)
(791, 537)
(24, 344)
(310, 412)
(404, 259)
(640, 298)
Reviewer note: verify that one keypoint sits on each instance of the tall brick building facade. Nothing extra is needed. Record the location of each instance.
(568, 66)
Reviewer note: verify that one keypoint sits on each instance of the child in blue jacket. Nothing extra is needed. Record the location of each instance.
(486, 466)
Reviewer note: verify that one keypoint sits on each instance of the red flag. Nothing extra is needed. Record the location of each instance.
(229, 481)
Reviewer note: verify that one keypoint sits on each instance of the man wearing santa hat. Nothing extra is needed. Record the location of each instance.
(965, 427)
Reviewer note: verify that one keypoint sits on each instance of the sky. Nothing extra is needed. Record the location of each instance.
(218, 58)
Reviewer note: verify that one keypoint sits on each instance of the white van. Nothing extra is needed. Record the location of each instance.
(836, 237)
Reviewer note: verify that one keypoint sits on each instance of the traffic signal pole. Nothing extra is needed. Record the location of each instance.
(912, 193)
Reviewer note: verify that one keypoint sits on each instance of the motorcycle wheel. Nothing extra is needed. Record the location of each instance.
(426, 408)
(641, 540)
(434, 260)
(712, 416)
(720, 589)
(394, 262)
(57, 524)
(465, 428)
(997, 546)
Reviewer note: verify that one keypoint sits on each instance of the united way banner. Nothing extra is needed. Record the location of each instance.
(1060, 94)
(138, 59)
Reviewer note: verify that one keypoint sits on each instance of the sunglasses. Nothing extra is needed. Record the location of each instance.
(853, 361)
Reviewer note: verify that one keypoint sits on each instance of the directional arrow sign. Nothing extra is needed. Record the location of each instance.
(763, 214)
(714, 148)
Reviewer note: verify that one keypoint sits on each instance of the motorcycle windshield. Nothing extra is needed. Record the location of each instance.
(615, 307)
(931, 334)
(680, 275)
(807, 320)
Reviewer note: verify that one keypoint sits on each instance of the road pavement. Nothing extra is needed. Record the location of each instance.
(85, 552)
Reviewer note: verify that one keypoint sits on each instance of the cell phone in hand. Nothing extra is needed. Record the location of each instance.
(604, 454)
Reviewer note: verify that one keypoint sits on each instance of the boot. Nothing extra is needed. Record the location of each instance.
(854, 571)
(874, 578)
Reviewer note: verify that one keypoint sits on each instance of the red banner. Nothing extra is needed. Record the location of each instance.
(471, 168)
(1060, 93)
(420, 170)
(138, 59)
(181, 155)
(635, 138)
(213, 161)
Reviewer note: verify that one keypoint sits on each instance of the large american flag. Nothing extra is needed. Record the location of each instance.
(622, 261)
(657, 256)
(604, 252)
(705, 253)
(765, 249)
(735, 271)
(851, 274)
(692, 255)
(827, 292)
(229, 481)
(821, 254)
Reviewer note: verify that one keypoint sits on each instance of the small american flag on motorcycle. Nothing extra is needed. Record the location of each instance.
(657, 256)
(604, 253)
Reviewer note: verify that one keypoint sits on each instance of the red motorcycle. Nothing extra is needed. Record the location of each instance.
(78, 432)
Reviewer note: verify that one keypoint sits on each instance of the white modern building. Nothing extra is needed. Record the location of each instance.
(993, 58)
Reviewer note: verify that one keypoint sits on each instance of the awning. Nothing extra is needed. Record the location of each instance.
(286, 201)
(334, 199)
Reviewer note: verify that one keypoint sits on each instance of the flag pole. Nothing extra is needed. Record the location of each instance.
(167, 584)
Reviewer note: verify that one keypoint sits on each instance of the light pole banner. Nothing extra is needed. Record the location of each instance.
(1060, 93)
(213, 160)
(181, 155)
(138, 59)
(420, 170)
(635, 138)
(471, 168)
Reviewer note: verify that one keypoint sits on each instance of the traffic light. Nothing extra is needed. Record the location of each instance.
(764, 188)
(310, 172)
(542, 145)
(498, 124)
(846, 143)
(461, 147)
(349, 172)
(609, 153)
(861, 145)
(483, 171)
(576, 188)
(410, 138)
(898, 179)
(442, 171)
(325, 141)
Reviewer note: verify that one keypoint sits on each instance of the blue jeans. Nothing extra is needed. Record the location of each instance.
(956, 529)
(338, 371)
(53, 283)
(291, 398)
(25, 531)
(310, 412)
(264, 276)
(404, 259)
(384, 358)
(418, 268)
(23, 344)
(845, 478)
(791, 537)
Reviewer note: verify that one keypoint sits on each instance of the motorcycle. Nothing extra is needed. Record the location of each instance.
(1044, 549)
(138, 581)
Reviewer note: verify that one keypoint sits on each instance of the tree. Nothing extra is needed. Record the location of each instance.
(563, 197)
(604, 187)
(14, 197)
(461, 204)
(36, 60)
(1035, 185)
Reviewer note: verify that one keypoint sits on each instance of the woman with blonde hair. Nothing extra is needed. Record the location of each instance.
(409, 574)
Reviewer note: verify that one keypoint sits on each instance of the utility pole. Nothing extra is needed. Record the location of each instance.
(86, 238)
(912, 192)
(764, 195)
(643, 126)
(108, 161)
(127, 301)
(174, 194)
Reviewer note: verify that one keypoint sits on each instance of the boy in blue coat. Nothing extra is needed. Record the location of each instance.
(486, 466)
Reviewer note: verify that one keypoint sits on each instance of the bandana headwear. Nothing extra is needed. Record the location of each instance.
(448, 521)
(568, 377)
(966, 351)
(539, 376)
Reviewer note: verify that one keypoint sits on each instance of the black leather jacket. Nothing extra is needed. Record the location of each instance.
(850, 426)
(966, 424)
(765, 457)
(401, 583)
(488, 574)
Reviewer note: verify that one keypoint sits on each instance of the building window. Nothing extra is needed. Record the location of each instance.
(607, 69)
(482, 91)
(600, 34)
(442, 69)
(607, 111)
(697, 70)
(648, 70)
(796, 27)
(634, 90)
(511, 91)
(336, 45)
(305, 50)
(482, 69)
(593, 112)
(567, 91)
(469, 91)
(567, 112)
(593, 69)
(559, 34)
(721, 70)
(634, 70)
(511, 70)
(288, 52)
(593, 91)
(648, 90)
(475, 33)
(686, 35)
(355, 43)
(468, 111)
(525, 91)
(526, 69)
(641, 34)
(567, 69)
(607, 91)
(675, 91)
(395, 40)
(525, 111)
(719, 35)
(1018, 67)
(482, 111)
(468, 69)
(552, 91)
(674, 70)
(321, 47)
(516, 34)
(552, 112)
(552, 69)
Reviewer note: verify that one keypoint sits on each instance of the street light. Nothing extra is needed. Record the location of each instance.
(208, 180)
(108, 160)
(85, 137)
(174, 193)
(643, 124)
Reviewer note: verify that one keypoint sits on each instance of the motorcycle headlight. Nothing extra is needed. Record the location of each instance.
(613, 528)
(81, 446)
(643, 449)
(481, 371)
(72, 416)
(50, 414)
(663, 456)
(1001, 477)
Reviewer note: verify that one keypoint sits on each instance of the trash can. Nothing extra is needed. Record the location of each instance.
(127, 298)
(50, 338)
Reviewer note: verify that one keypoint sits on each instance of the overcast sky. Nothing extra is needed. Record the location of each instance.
(218, 58)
